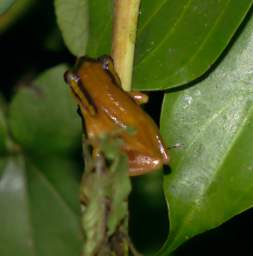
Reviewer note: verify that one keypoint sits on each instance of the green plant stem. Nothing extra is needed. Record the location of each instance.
(104, 188)
(124, 34)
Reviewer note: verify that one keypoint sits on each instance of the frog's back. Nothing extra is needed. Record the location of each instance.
(107, 95)
(144, 148)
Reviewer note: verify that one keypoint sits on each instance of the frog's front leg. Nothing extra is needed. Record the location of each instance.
(139, 97)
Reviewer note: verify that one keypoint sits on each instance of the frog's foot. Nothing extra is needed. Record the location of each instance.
(139, 97)
(140, 164)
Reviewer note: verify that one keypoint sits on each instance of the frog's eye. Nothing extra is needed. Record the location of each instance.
(69, 77)
(107, 63)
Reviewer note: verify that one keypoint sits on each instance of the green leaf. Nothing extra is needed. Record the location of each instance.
(43, 116)
(65, 175)
(3, 132)
(212, 172)
(35, 218)
(43, 120)
(120, 188)
(100, 27)
(177, 41)
(5, 5)
(72, 18)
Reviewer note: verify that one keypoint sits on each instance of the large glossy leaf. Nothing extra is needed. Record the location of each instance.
(72, 18)
(177, 41)
(36, 218)
(100, 27)
(43, 115)
(212, 172)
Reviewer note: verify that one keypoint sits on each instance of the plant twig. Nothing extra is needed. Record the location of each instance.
(124, 34)
(104, 191)
(106, 185)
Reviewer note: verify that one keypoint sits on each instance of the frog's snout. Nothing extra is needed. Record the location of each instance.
(69, 77)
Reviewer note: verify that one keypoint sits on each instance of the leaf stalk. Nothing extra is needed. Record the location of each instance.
(123, 42)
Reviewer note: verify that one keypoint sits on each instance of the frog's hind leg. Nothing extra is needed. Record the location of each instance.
(139, 97)
(141, 164)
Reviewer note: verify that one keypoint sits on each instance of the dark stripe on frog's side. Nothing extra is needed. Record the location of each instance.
(79, 112)
(115, 80)
(86, 95)
(76, 95)
(118, 84)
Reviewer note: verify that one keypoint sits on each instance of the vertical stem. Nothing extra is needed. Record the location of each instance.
(123, 42)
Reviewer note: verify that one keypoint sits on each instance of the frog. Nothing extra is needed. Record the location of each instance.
(106, 108)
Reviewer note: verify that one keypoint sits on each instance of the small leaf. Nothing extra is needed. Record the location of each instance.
(104, 191)
(72, 18)
(212, 172)
(119, 191)
(34, 216)
(5, 5)
(43, 117)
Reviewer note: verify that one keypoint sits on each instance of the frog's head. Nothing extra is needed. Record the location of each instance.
(104, 63)
(86, 78)
(79, 91)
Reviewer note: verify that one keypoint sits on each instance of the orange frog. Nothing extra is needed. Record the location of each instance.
(107, 108)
